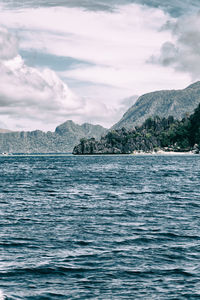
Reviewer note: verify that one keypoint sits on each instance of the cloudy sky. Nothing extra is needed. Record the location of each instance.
(89, 60)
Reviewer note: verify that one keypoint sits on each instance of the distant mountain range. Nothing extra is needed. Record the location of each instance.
(176, 103)
(62, 140)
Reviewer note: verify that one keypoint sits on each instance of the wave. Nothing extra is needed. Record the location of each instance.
(2, 297)
(50, 270)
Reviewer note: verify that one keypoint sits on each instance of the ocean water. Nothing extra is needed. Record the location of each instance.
(100, 227)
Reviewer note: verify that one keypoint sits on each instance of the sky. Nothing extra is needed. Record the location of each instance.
(89, 60)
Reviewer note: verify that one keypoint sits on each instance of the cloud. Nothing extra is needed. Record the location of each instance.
(173, 7)
(183, 54)
(8, 44)
(108, 53)
(89, 5)
(22, 85)
(114, 46)
(27, 93)
(31, 98)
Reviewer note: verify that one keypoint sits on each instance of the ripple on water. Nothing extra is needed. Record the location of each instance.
(104, 227)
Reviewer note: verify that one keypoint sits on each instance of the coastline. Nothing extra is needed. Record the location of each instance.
(162, 152)
(134, 153)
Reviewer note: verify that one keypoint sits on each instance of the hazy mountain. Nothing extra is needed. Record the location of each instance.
(63, 139)
(4, 130)
(176, 103)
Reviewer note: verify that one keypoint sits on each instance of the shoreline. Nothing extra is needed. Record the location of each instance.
(134, 153)
(162, 152)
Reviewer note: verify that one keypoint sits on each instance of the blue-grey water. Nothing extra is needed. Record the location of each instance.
(100, 227)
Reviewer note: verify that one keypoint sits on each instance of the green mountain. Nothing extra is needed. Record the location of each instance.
(62, 140)
(154, 134)
(176, 103)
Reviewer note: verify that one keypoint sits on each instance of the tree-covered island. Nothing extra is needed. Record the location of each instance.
(153, 135)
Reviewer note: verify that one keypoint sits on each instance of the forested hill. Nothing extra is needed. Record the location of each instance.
(176, 103)
(155, 134)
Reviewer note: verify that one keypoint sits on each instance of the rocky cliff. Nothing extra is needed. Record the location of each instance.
(176, 103)
(62, 140)
(155, 134)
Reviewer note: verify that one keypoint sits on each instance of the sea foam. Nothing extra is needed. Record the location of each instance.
(2, 295)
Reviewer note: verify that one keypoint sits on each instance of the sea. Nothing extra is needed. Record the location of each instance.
(100, 227)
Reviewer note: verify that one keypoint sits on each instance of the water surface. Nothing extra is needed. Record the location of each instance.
(100, 227)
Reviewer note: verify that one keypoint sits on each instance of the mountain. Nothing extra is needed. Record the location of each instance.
(176, 103)
(62, 139)
(86, 129)
(4, 130)
(154, 134)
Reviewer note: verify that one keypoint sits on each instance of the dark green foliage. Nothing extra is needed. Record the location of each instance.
(194, 127)
(155, 133)
(176, 103)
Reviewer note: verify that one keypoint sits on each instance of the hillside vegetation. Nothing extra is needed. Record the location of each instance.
(176, 103)
(155, 134)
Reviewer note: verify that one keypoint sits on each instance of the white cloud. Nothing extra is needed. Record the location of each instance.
(8, 44)
(30, 95)
(43, 89)
(183, 53)
(131, 81)
(118, 44)
(40, 98)
(32, 98)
